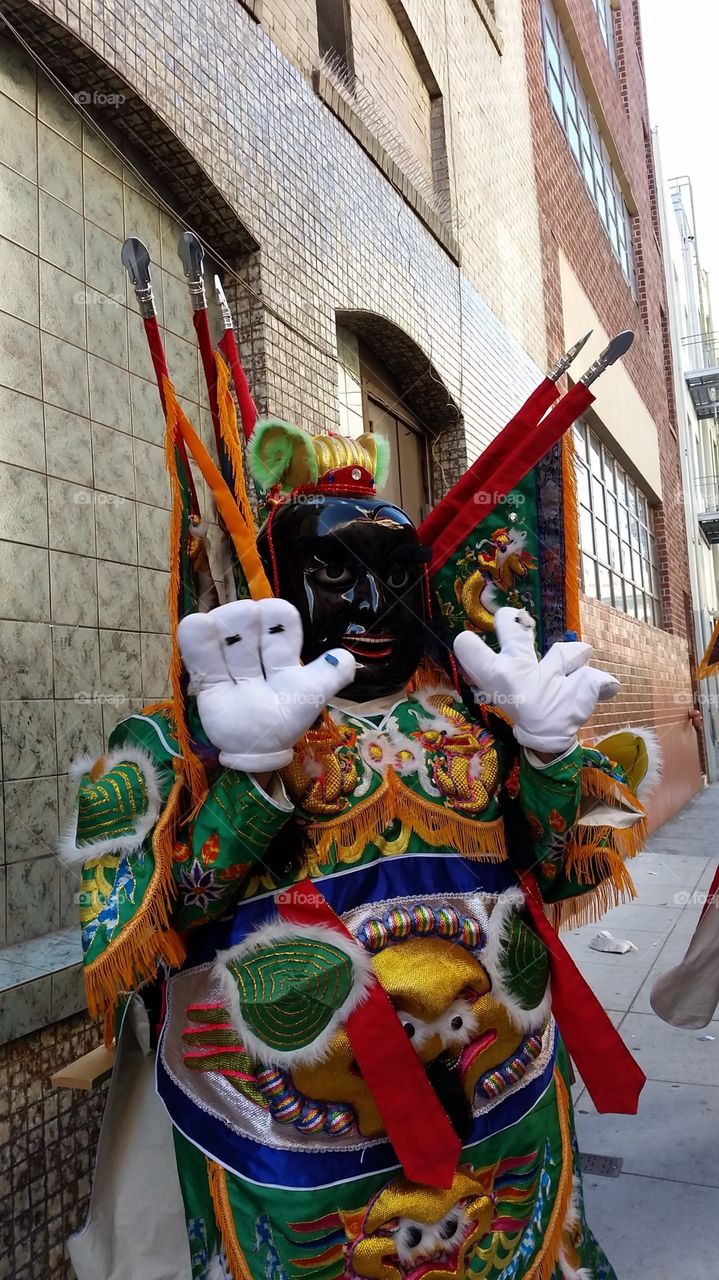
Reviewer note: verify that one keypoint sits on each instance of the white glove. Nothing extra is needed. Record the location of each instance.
(254, 698)
(547, 701)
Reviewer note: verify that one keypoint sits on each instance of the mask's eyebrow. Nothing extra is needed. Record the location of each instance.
(411, 553)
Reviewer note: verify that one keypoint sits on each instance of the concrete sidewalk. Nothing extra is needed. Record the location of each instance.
(660, 1217)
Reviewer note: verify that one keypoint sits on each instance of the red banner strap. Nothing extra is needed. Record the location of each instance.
(159, 364)
(474, 479)
(529, 448)
(613, 1078)
(201, 323)
(712, 896)
(416, 1123)
(248, 412)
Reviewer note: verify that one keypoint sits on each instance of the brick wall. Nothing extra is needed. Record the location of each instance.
(570, 224)
(653, 669)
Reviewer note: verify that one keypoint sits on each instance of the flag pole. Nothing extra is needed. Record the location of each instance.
(228, 347)
(136, 261)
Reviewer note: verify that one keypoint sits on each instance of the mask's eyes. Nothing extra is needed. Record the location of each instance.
(335, 576)
(398, 577)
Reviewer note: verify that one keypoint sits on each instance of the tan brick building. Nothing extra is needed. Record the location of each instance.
(405, 241)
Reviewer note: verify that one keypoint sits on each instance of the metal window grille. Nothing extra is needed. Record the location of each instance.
(585, 141)
(616, 534)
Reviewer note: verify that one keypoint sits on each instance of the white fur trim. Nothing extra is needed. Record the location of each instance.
(655, 760)
(70, 852)
(509, 902)
(275, 932)
(82, 765)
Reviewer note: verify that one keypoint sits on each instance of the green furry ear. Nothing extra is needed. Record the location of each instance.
(381, 470)
(281, 453)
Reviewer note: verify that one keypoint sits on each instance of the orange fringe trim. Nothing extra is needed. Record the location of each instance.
(392, 800)
(544, 1265)
(236, 1260)
(146, 940)
(427, 676)
(589, 908)
(571, 536)
(231, 440)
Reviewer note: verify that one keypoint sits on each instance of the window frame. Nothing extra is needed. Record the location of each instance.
(605, 19)
(620, 566)
(590, 152)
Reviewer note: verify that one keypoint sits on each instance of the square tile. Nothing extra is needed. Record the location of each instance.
(113, 461)
(62, 305)
(153, 536)
(148, 422)
(23, 505)
(110, 395)
(59, 167)
(55, 111)
(103, 199)
(18, 282)
(182, 361)
(116, 529)
(33, 898)
(24, 582)
(142, 219)
(117, 588)
(62, 239)
(20, 346)
(76, 662)
(17, 129)
(97, 150)
(22, 436)
(28, 738)
(73, 581)
(70, 883)
(155, 666)
(78, 732)
(104, 270)
(170, 235)
(69, 450)
(25, 660)
(107, 332)
(64, 375)
(152, 483)
(18, 209)
(68, 992)
(120, 663)
(71, 517)
(17, 74)
(24, 1009)
(30, 825)
(154, 614)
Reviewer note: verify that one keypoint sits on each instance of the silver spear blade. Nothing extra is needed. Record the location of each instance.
(191, 255)
(611, 353)
(223, 305)
(569, 356)
(135, 259)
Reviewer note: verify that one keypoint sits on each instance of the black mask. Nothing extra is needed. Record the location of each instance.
(354, 569)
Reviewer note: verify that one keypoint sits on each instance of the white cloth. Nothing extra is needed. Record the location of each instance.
(688, 995)
(135, 1228)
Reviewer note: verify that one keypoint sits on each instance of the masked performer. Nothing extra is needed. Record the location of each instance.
(357, 1048)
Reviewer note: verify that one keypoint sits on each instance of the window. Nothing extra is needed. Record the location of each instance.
(606, 26)
(616, 538)
(335, 32)
(585, 141)
(369, 401)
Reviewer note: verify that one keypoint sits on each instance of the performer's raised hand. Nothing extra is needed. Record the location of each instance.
(254, 698)
(547, 701)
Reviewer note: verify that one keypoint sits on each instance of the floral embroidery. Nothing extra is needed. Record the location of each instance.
(199, 886)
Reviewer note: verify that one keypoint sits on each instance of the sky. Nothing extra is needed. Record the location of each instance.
(681, 58)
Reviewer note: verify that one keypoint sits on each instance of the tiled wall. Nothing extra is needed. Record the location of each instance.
(48, 1139)
(83, 489)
